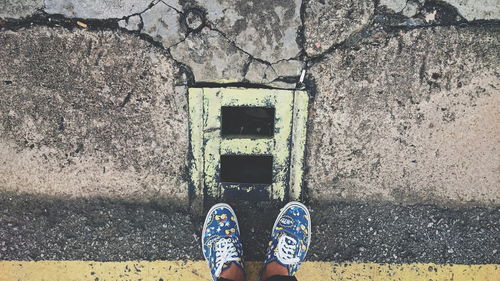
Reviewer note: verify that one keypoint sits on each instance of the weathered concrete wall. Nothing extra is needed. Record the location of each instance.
(90, 114)
(408, 116)
(412, 117)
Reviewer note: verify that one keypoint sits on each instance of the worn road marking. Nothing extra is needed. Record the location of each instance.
(198, 271)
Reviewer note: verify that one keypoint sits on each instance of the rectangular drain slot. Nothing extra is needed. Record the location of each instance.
(257, 169)
(247, 144)
(247, 121)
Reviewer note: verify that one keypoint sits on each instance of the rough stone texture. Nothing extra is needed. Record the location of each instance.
(93, 229)
(132, 23)
(392, 233)
(469, 9)
(19, 8)
(194, 19)
(90, 114)
(265, 29)
(269, 75)
(176, 4)
(329, 22)
(162, 23)
(410, 118)
(477, 10)
(419, 14)
(96, 9)
(211, 57)
(42, 228)
(395, 5)
(256, 72)
(288, 67)
(411, 8)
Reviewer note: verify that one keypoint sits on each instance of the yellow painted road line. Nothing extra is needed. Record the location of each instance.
(198, 271)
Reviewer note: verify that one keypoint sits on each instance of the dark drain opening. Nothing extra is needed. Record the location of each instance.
(247, 121)
(256, 169)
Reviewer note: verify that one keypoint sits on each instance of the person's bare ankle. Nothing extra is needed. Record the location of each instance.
(234, 272)
(272, 269)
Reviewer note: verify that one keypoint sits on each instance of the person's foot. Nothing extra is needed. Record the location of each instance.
(221, 242)
(290, 239)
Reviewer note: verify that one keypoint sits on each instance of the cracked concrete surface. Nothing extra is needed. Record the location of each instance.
(132, 23)
(404, 104)
(270, 32)
(267, 29)
(163, 24)
(415, 14)
(409, 117)
(86, 114)
(330, 22)
(267, 74)
(96, 9)
(211, 57)
(469, 9)
(260, 73)
(395, 5)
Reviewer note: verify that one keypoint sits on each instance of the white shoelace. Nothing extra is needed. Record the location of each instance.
(287, 247)
(225, 251)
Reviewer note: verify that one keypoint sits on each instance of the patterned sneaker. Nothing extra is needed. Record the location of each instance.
(221, 239)
(290, 237)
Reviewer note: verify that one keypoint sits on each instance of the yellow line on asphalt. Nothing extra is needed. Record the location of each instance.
(198, 271)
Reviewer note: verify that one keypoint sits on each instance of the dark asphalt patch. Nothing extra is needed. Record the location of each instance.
(36, 228)
(387, 233)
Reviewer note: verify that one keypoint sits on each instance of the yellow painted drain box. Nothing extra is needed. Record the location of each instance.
(247, 143)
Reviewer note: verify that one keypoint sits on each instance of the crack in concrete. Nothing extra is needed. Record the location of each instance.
(173, 45)
(173, 8)
(301, 37)
(374, 26)
(212, 27)
(151, 5)
(179, 12)
(141, 25)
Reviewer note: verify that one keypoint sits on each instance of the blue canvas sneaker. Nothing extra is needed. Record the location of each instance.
(290, 237)
(221, 239)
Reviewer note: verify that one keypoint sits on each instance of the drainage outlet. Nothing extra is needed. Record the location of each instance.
(247, 144)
